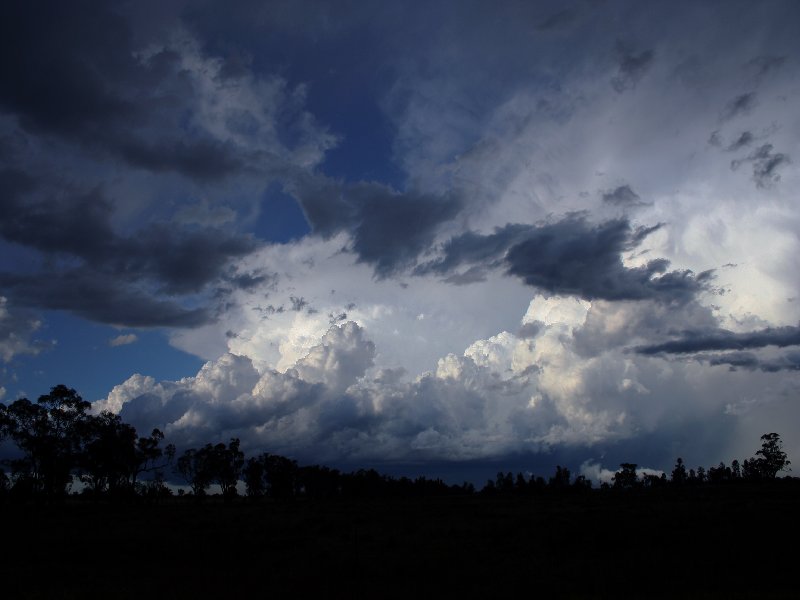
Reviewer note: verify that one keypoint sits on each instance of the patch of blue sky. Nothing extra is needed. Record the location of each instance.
(280, 220)
(83, 358)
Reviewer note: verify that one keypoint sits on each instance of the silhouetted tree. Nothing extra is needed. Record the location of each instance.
(319, 482)
(109, 453)
(719, 473)
(504, 482)
(701, 474)
(736, 470)
(149, 457)
(253, 473)
(50, 435)
(225, 466)
(194, 466)
(581, 483)
(280, 475)
(679, 476)
(771, 457)
(654, 481)
(560, 480)
(626, 477)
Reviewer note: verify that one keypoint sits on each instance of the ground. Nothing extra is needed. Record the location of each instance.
(706, 543)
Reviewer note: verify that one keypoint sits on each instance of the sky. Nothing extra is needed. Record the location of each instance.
(435, 238)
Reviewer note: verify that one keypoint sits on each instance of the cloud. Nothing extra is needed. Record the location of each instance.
(740, 105)
(137, 159)
(789, 361)
(389, 229)
(503, 396)
(489, 140)
(342, 357)
(86, 76)
(624, 197)
(745, 139)
(123, 340)
(765, 64)
(98, 297)
(765, 165)
(726, 340)
(17, 328)
(632, 67)
(571, 256)
(77, 229)
(206, 214)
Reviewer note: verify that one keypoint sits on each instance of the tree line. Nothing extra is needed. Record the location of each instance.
(59, 441)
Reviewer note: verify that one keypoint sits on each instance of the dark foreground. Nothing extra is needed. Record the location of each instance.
(712, 543)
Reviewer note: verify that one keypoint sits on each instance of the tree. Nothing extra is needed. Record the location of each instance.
(679, 472)
(626, 478)
(149, 457)
(226, 466)
(114, 458)
(254, 478)
(280, 475)
(51, 436)
(109, 453)
(195, 468)
(771, 458)
(561, 478)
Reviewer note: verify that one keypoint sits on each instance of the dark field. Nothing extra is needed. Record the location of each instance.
(727, 542)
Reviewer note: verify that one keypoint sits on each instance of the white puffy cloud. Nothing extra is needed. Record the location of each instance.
(503, 395)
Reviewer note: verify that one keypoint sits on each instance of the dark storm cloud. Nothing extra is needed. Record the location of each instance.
(389, 228)
(623, 196)
(98, 297)
(765, 165)
(70, 69)
(741, 104)
(745, 139)
(722, 339)
(204, 159)
(632, 67)
(79, 225)
(472, 248)
(76, 228)
(571, 257)
(62, 64)
(789, 361)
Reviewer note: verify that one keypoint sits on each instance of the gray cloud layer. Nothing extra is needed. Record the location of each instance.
(116, 276)
(389, 229)
(726, 340)
(571, 257)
